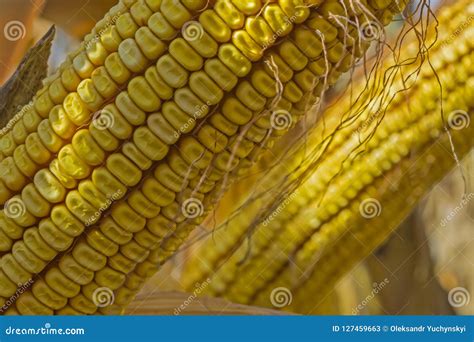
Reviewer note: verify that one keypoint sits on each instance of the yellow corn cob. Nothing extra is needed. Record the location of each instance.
(142, 159)
(149, 267)
(66, 79)
(331, 241)
(248, 278)
(367, 234)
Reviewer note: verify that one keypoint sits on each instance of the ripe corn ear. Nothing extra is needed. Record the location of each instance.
(170, 103)
(287, 250)
(368, 234)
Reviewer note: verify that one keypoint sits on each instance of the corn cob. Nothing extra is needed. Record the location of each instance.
(356, 244)
(94, 73)
(271, 248)
(312, 253)
(131, 160)
(148, 268)
(65, 79)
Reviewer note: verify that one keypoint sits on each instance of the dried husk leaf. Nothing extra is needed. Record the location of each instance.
(180, 303)
(27, 79)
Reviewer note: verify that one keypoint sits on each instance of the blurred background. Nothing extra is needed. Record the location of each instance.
(73, 19)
